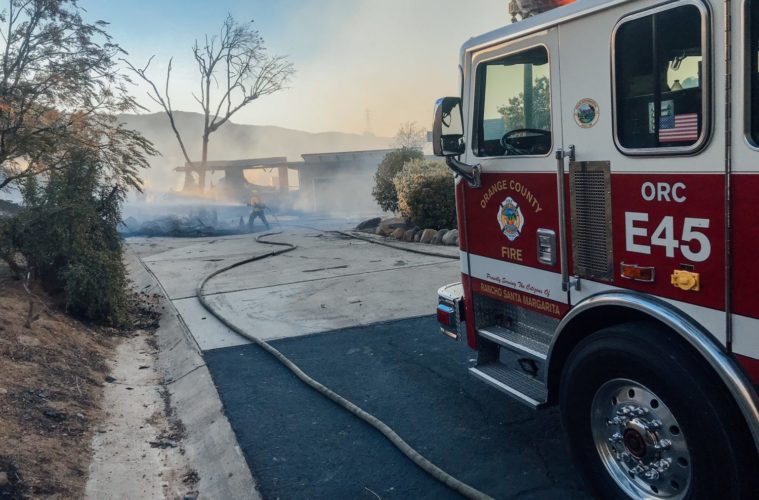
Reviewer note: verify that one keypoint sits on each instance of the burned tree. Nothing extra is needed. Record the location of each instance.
(234, 69)
(410, 135)
(59, 81)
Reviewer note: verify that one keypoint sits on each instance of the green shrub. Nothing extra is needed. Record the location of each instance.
(384, 188)
(426, 194)
(67, 236)
(95, 287)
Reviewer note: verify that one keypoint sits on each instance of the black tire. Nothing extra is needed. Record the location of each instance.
(722, 456)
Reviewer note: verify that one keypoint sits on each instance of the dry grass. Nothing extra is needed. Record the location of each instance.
(51, 377)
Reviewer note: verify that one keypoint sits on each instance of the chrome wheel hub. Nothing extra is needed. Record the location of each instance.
(640, 441)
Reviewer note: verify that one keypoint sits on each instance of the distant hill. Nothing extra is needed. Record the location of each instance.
(234, 141)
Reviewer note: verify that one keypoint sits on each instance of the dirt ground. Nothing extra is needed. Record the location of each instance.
(52, 374)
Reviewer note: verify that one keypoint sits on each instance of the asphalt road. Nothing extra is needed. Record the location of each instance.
(300, 445)
(322, 304)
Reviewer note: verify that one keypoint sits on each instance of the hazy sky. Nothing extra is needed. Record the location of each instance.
(392, 57)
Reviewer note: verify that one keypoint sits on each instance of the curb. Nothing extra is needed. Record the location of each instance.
(210, 444)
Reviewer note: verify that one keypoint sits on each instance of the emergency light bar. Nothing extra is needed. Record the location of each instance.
(529, 8)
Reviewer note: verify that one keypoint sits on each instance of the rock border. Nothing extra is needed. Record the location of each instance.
(402, 229)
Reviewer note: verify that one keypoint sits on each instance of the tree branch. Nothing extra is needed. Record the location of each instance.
(163, 100)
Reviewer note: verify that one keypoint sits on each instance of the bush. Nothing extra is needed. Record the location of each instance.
(384, 188)
(95, 288)
(67, 236)
(426, 194)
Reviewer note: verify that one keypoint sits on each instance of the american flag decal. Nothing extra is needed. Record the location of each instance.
(678, 128)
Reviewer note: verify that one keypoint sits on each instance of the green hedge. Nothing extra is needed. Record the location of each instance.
(384, 188)
(426, 194)
(67, 236)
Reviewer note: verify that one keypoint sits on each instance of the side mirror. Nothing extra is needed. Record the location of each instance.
(448, 128)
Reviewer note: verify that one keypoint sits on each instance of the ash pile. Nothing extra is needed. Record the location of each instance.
(193, 221)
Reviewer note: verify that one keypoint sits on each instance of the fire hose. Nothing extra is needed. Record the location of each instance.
(413, 455)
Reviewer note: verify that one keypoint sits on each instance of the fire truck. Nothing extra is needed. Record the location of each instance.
(607, 188)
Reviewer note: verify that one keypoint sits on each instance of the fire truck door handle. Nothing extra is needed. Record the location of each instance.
(561, 154)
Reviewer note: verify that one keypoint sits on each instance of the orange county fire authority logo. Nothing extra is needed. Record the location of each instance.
(510, 218)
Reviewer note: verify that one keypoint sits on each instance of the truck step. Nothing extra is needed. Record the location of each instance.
(534, 344)
(517, 384)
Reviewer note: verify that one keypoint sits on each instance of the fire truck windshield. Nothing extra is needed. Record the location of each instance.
(514, 105)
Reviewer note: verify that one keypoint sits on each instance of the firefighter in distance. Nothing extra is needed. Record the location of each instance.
(257, 211)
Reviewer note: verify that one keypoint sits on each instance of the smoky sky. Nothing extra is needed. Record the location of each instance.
(362, 65)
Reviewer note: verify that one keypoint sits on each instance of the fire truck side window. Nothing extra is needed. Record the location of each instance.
(753, 50)
(659, 85)
(514, 105)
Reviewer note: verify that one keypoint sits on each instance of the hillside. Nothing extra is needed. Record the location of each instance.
(235, 141)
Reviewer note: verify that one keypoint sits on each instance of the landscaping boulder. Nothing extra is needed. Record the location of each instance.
(398, 233)
(409, 234)
(427, 235)
(418, 236)
(369, 224)
(451, 237)
(387, 226)
(438, 238)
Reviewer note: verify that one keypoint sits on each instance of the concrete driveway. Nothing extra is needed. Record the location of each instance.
(357, 317)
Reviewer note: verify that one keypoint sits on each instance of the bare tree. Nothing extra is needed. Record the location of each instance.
(60, 90)
(410, 136)
(234, 70)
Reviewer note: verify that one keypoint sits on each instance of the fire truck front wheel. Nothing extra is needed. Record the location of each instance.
(647, 418)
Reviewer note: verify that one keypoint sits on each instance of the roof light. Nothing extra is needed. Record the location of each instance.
(529, 8)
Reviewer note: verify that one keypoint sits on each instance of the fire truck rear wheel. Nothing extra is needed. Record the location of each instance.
(647, 418)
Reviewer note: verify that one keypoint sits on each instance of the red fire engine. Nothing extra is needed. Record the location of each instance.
(607, 161)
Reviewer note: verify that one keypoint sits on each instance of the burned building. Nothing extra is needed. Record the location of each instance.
(339, 182)
(335, 182)
(233, 185)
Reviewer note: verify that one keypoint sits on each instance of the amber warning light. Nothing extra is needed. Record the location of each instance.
(637, 273)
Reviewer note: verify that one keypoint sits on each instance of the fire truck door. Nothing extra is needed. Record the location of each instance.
(512, 218)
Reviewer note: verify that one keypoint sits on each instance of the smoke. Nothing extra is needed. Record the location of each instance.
(362, 66)
(324, 190)
(346, 196)
(341, 205)
(232, 142)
